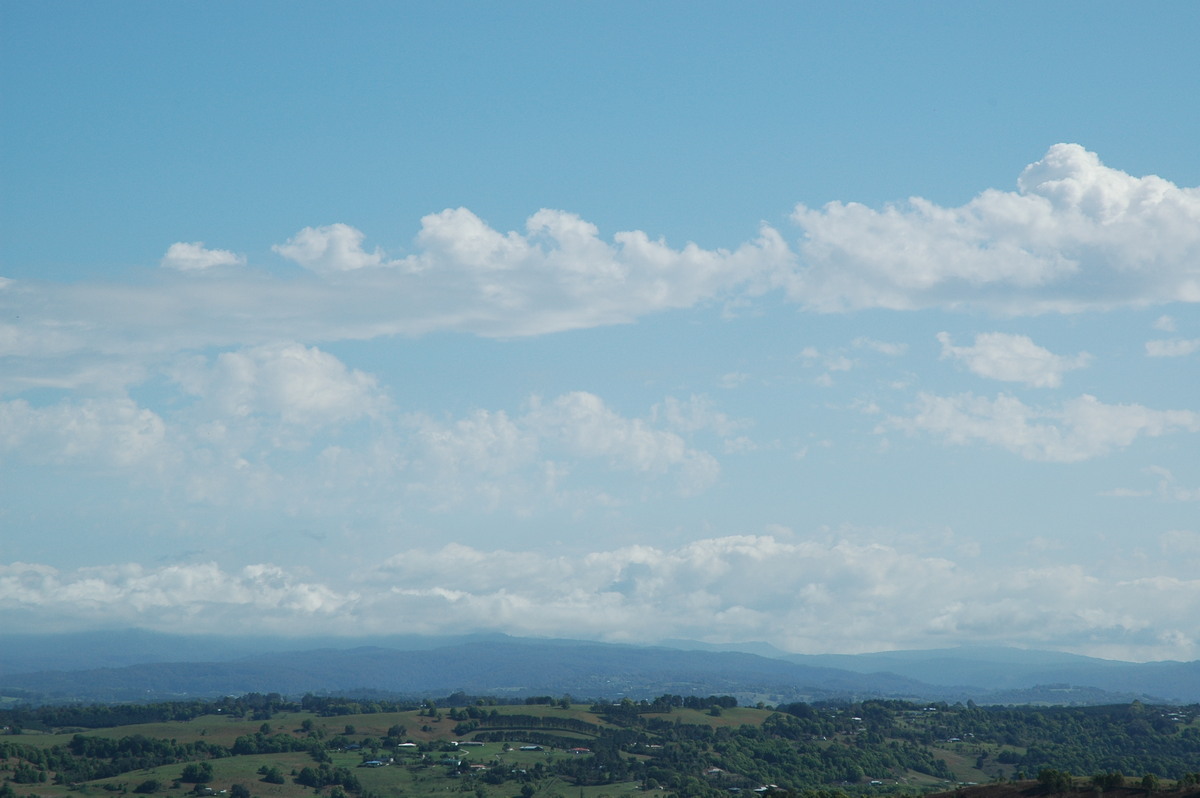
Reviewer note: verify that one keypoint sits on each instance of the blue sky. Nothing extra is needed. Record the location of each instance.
(847, 327)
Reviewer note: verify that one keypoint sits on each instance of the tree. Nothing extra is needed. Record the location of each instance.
(271, 775)
(1150, 782)
(1056, 781)
(197, 773)
(239, 791)
(1108, 781)
(308, 778)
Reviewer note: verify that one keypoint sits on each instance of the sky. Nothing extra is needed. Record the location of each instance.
(845, 327)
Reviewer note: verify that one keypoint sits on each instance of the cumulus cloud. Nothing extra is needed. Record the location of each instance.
(112, 432)
(587, 427)
(291, 426)
(328, 249)
(1012, 358)
(1075, 235)
(806, 595)
(298, 384)
(509, 457)
(200, 596)
(558, 274)
(194, 257)
(1079, 429)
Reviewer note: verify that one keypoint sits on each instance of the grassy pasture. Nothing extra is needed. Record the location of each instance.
(729, 718)
(217, 729)
(963, 765)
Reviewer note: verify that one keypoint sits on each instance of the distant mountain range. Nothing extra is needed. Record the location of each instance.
(138, 665)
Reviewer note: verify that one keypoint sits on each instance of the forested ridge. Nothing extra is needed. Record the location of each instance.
(268, 746)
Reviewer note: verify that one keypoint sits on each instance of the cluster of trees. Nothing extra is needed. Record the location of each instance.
(325, 774)
(749, 756)
(259, 706)
(1127, 738)
(626, 711)
(87, 758)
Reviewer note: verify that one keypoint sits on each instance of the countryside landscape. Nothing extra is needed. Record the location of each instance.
(599, 399)
(691, 747)
(661, 728)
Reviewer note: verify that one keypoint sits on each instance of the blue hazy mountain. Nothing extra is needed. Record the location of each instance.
(133, 664)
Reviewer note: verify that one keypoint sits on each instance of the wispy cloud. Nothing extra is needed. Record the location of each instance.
(1078, 429)
(195, 257)
(290, 424)
(1012, 358)
(1176, 347)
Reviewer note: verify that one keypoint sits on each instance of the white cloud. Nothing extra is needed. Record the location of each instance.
(193, 257)
(1164, 324)
(542, 455)
(582, 423)
(1076, 235)
(695, 414)
(830, 360)
(1180, 542)
(111, 432)
(559, 274)
(807, 595)
(733, 379)
(1079, 429)
(465, 277)
(1126, 493)
(299, 385)
(891, 348)
(1176, 347)
(330, 249)
(292, 428)
(1168, 487)
(1012, 358)
(202, 596)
